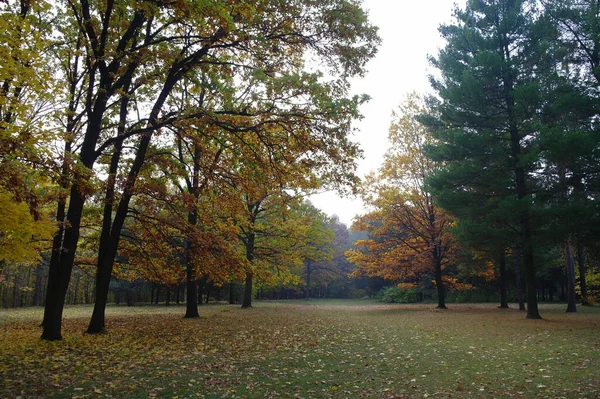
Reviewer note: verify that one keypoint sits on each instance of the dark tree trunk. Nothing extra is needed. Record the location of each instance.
(61, 267)
(201, 286)
(157, 295)
(249, 243)
(191, 304)
(231, 293)
(582, 271)
(503, 282)
(571, 295)
(439, 283)
(209, 287)
(518, 278)
(247, 302)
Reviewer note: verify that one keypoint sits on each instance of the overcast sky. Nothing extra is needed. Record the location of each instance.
(409, 33)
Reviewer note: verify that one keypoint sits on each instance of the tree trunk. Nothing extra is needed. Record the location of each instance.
(247, 302)
(61, 267)
(209, 287)
(582, 271)
(439, 282)
(308, 274)
(231, 293)
(201, 286)
(191, 303)
(518, 278)
(250, 237)
(503, 282)
(441, 293)
(571, 295)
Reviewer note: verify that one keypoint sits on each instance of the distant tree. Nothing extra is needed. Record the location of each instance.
(408, 231)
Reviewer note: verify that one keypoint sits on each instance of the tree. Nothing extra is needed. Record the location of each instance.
(318, 244)
(144, 52)
(409, 233)
(570, 145)
(484, 124)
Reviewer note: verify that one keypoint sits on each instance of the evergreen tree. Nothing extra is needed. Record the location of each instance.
(485, 123)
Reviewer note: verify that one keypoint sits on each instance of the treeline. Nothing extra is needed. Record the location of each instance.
(26, 285)
(495, 177)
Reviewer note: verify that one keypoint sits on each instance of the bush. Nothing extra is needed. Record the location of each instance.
(397, 295)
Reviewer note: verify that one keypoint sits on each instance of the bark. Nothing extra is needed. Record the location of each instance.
(503, 282)
(571, 295)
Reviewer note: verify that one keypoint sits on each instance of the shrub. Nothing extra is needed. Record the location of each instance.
(397, 295)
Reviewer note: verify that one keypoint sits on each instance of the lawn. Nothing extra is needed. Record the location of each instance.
(300, 349)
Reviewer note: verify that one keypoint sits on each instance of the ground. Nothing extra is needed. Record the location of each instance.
(306, 349)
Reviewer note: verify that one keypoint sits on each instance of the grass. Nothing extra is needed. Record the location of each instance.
(306, 349)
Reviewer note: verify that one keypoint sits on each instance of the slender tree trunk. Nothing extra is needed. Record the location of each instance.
(191, 304)
(201, 286)
(231, 292)
(571, 295)
(439, 281)
(503, 282)
(582, 272)
(308, 275)
(518, 277)
(209, 287)
(247, 302)
(250, 237)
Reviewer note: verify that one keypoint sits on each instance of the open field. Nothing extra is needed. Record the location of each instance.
(299, 349)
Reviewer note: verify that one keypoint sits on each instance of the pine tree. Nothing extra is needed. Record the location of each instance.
(485, 122)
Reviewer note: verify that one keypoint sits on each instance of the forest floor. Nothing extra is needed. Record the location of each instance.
(305, 349)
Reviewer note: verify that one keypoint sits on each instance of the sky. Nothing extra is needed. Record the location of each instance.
(408, 29)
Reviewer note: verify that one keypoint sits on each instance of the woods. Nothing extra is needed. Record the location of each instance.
(166, 151)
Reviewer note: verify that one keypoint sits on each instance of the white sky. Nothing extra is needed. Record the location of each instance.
(409, 32)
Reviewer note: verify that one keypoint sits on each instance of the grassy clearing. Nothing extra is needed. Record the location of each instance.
(302, 349)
